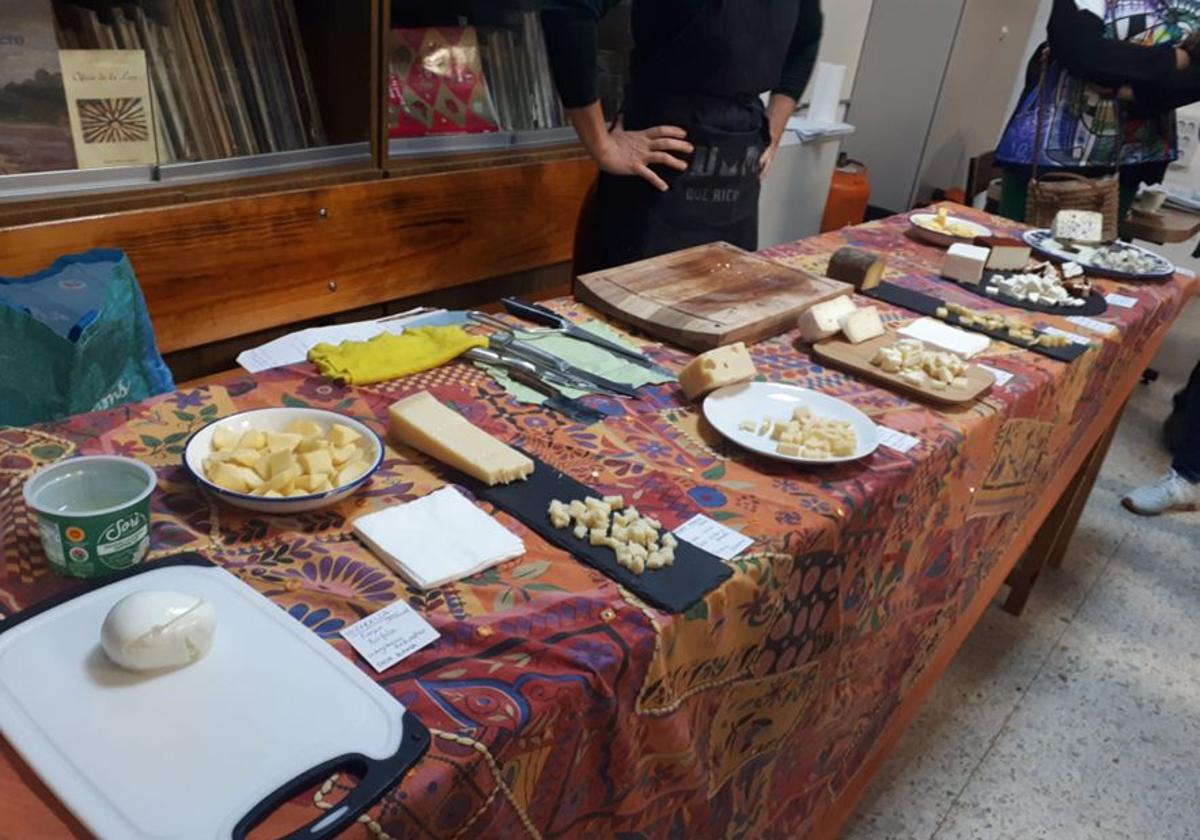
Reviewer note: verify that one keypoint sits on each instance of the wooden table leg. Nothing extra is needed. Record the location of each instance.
(1050, 544)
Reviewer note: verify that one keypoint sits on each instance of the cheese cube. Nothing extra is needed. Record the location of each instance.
(278, 462)
(717, 368)
(315, 463)
(423, 423)
(282, 441)
(1006, 254)
(245, 457)
(862, 325)
(304, 428)
(344, 454)
(1071, 270)
(252, 439)
(1078, 226)
(284, 480)
(235, 478)
(350, 472)
(823, 320)
(310, 444)
(340, 435)
(223, 438)
(965, 263)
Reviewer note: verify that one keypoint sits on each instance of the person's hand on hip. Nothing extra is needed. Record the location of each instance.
(632, 152)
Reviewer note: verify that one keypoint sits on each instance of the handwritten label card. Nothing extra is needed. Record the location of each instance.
(898, 441)
(386, 637)
(1074, 338)
(1123, 301)
(1092, 324)
(713, 537)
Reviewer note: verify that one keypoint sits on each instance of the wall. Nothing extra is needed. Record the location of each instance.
(988, 55)
(842, 41)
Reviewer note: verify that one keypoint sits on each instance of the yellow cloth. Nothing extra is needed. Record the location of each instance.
(390, 356)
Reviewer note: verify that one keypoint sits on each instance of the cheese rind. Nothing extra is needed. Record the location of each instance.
(861, 269)
(824, 319)
(729, 365)
(862, 325)
(423, 423)
(965, 263)
(1078, 226)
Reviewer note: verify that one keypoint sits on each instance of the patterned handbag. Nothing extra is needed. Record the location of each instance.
(1065, 190)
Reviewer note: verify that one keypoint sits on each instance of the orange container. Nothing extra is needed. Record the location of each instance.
(849, 193)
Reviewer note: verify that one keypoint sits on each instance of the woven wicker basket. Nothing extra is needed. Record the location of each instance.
(1055, 191)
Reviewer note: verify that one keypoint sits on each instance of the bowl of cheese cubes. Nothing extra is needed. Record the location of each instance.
(283, 460)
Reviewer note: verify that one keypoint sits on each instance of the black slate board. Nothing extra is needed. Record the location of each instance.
(927, 305)
(673, 589)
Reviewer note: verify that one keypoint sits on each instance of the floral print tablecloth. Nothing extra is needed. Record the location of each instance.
(560, 705)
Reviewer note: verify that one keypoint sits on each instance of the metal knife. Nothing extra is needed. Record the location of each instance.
(527, 374)
(547, 317)
(525, 350)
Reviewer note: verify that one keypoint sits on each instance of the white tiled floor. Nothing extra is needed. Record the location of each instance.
(1081, 718)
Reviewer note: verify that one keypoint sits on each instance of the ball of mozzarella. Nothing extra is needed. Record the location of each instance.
(148, 630)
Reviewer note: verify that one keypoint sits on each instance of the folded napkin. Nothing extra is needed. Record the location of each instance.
(583, 355)
(390, 356)
(437, 539)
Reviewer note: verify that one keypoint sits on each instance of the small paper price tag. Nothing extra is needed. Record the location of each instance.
(1074, 338)
(1002, 377)
(898, 441)
(1123, 301)
(385, 637)
(1092, 324)
(711, 536)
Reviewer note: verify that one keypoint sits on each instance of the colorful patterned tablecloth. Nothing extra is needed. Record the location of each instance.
(561, 706)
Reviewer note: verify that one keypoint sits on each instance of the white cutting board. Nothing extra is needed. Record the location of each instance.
(186, 753)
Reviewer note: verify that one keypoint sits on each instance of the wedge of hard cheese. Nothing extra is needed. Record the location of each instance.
(824, 319)
(423, 423)
(862, 325)
(715, 369)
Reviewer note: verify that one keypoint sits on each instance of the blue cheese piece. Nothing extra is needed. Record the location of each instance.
(1078, 226)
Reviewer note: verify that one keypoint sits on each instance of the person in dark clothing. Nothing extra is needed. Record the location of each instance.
(1115, 74)
(1179, 489)
(682, 164)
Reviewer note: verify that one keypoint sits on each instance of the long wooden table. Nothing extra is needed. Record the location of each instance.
(562, 706)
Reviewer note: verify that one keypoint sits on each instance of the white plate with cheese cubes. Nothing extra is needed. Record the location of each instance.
(283, 460)
(1119, 260)
(943, 230)
(791, 423)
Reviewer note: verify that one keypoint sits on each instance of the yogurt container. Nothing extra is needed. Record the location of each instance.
(93, 513)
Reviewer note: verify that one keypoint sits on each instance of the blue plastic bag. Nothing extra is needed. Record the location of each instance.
(76, 337)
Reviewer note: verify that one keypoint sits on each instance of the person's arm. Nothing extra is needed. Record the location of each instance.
(797, 70)
(571, 43)
(1077, 39)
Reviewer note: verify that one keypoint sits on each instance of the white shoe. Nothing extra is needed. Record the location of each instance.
(1171, 492)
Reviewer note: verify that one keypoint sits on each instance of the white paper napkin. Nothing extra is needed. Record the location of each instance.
(946, 337)
(437, 539)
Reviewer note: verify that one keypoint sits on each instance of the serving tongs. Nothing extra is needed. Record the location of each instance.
(545, 382)
(505, 342)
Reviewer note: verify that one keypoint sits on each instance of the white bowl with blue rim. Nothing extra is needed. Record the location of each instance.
(199, 447)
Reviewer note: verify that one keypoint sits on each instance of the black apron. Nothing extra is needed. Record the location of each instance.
(716, 199)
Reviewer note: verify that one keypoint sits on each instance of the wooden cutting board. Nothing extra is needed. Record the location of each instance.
(856, 358)
(707, 296)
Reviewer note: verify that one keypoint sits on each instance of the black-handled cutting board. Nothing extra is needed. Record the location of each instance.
(673, 589)
(928, 305)
(208, 750)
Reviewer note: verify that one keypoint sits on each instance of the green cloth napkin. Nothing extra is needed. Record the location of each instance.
(583, 355)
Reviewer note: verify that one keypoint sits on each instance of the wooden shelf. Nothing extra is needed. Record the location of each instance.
(227, 257)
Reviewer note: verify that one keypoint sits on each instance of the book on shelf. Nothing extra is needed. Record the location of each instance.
(436, 83)
(517, 67)
(109, 105)
(228, 78)
(35, 131)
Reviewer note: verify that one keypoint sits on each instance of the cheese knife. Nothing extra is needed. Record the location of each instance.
(529, 375)
(547, 317)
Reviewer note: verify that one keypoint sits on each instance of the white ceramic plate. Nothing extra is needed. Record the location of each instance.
(728, 407)
(276, 420)
(921, 225)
